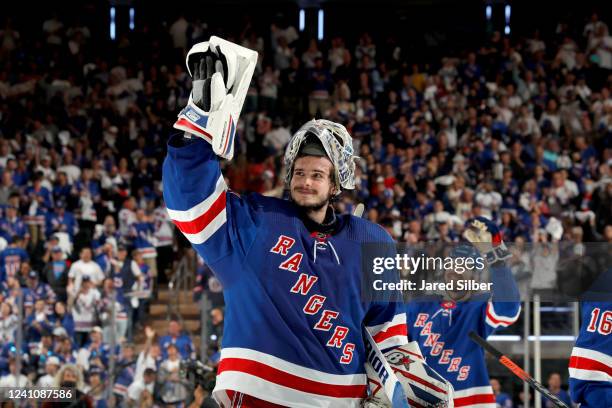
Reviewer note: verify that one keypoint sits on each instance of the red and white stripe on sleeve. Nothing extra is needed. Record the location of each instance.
(590, 365)
(201, 221)
(496, 320)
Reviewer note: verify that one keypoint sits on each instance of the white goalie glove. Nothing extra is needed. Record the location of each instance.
(221, 72)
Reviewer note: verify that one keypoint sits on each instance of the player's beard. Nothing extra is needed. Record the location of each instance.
(311, 206)
(459, 295)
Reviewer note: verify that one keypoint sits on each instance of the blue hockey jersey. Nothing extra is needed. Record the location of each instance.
(10, 228)
(590, 366)
(441, 328)
(10, 261)
(65, 222)
(142, 235)
(294, 312)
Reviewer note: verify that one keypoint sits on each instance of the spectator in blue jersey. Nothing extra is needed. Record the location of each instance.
(12, 257)
(105, 256)
(12, 225)
(65, 350)
(126, 366)
(128, 275)
(62, 189)
(554, 386)
(181, 340)
(38, 202)
(87, 185)
(142, 234)
(119, 268)
(502, 399)
(60, 220)
(21, 175)
(39, 290)
(94, 352)
(37, 324)
(40, 352)
(39, 193)
(56, 273)
(108, 234)
(63, 323)
(206, 282)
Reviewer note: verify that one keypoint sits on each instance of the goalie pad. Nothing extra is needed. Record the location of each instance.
(224, 91)
(403, 368)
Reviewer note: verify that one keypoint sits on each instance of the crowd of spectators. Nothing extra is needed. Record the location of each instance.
(518, 130)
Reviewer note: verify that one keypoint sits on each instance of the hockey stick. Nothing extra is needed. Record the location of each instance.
(518, 371)
(359, 210)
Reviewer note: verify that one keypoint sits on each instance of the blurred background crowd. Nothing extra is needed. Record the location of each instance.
(514, 128)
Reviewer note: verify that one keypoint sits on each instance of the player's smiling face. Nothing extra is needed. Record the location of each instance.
(311, 184)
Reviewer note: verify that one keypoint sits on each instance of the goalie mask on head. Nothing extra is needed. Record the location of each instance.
(320, 137)
(461, 254)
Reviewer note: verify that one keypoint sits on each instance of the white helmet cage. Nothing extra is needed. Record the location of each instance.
(338, 145)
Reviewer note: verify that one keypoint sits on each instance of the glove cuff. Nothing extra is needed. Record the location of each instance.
(499, 253)
(193, 120)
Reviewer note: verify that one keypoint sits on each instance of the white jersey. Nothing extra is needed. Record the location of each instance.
(84, 309)
(126, 218)
(164, 230)
(90, 269)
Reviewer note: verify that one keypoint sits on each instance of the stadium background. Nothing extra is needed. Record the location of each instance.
(109, 103)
